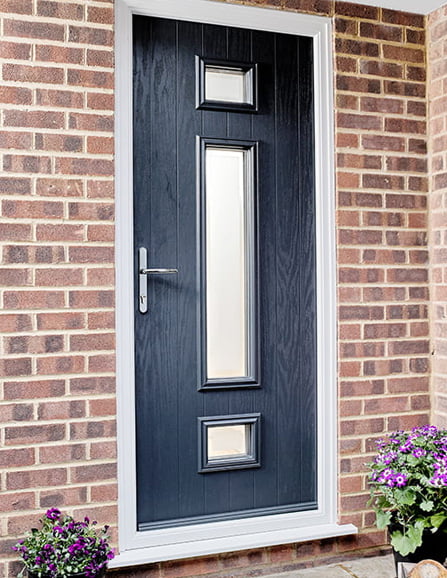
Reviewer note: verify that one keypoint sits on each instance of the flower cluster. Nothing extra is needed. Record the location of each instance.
(63, 547)
(408, 480)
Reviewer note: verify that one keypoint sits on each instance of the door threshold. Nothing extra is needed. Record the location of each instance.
(150, 554)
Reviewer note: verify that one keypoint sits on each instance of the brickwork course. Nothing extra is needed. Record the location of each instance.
(57, 286)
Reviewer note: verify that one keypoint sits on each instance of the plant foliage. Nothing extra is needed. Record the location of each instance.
(62, 547)
(408, 480)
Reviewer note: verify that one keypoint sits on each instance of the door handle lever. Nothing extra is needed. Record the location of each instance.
(158, 271)
(143, 272)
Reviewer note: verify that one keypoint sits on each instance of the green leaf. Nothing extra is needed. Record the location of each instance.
(427, 505)
(383, 519)
(406, 497)
(411, 460)
(407, 542)
(437, 520)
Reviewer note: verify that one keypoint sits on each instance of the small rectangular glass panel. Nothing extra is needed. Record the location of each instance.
(228, 441)
(228, 282)
(228, 84)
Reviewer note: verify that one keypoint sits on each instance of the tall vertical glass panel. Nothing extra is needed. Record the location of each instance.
(229, 261)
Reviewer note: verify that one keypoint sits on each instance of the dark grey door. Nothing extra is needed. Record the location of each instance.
(226, 331)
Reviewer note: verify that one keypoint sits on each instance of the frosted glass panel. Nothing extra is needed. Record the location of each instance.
(227, 84)
(227, 311)
(228, 441)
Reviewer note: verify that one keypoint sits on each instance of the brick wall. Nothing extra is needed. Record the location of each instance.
(57, 437)
(57, 364)
(437, 27)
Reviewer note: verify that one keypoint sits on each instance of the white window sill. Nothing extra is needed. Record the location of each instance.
(149, 554)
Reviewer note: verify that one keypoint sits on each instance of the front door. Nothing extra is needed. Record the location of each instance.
(225, 303)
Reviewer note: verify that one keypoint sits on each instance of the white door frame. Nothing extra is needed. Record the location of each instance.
(202, 539)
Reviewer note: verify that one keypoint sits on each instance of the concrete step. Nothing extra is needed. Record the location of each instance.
(378, 567)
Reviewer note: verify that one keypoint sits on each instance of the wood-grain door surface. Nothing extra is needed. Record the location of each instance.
(168, 125)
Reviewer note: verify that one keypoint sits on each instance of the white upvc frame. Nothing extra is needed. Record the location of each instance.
(202, 539)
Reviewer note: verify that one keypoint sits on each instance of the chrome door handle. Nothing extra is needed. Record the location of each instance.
(158, 271)
(143, 272)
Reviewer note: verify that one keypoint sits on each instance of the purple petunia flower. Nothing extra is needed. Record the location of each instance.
(53, 514)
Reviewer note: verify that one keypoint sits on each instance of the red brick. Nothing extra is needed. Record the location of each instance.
(101, 277)
(103, 492)
(38, 478)
(59, 187)
(91, 211)
(90, 78)
(387, 404)
(57, 142)
(103, 233)
(356, 47)
(388, 105)
(99, 189)
(15, 367)
(33, 299)
(92, 342)
(101, 363)
(404, 201)
(16, 140)
(23, 73)
(61, 410)
(65, 11)
(86, 35)
(100, 145)
(384, 69)
(59, 277)
(62, 453)
(38, 30)
(397, 87)
(92, 385)
(103, 450)
(48, 53)
(405, 125)
(49, 232)
(14, 277)
(100, 320)
(385, 143)
(59, 98)
(15, 51)
(35, 209)
(25, 434)
(60, 321)
(61, 364)
(362, 426)
(381, 32)
(100, 15)
(361, 312)
(359, 121)
(80, 166)
(58, 497)
(25, 164)
(17, 6)
(357, 11)
(102, 58)
(403, 18)
(408, 421)
(15, 95)
(93, 429)
(356, 84)
(91, 254)
(34, 389)
(34, 118)
(13, 458)
(91, 299)
(17, 501)
(15, 322)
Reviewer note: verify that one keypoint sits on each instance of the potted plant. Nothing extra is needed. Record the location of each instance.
(408, 480)
(63, 547)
